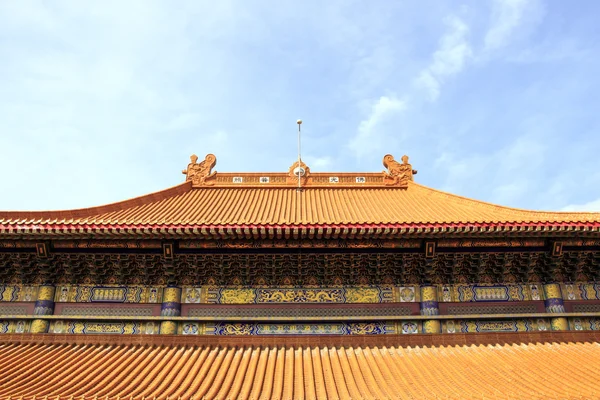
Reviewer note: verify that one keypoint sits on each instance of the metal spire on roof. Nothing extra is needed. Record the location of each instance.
(300, 172)
(299, 169)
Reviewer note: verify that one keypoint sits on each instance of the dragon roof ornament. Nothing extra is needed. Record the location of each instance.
(397, 174)
(201, 174)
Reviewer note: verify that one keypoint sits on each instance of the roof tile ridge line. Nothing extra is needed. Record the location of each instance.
(513, 209)
(280, 173)
(102, 209)
(354, 225)
(280, 186)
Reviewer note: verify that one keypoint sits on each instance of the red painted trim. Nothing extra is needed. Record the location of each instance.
(29, 305)
(59, 307)
(494, 304)
(415, 225)
(455, 339)
(187, 307)
(570, 303)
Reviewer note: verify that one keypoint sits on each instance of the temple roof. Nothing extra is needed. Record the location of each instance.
(228, 205)
(118, 371)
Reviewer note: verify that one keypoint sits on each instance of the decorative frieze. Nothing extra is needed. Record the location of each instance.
(18, 293)
(506, 308)
(108, 311)
(336, 328)
(504, 325)
(250, 294)
(15, 326)
(120, 328)
(9, 309)
(586, 308)
(295, 312)
(384, 294)
(108, 294)
(584, 324)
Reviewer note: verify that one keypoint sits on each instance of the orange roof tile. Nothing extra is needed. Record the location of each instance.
(532, 371)
(375, 201)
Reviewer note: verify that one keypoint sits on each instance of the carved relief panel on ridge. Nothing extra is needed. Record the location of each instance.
(397, 174)
(299, 170)
(201, 174)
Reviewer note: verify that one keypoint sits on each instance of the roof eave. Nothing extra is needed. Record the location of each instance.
(325, 231)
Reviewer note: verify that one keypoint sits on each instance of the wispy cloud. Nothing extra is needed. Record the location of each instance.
(449, 59)
(507, 17)
(590, 206)
(369, 137)
(106, 88)
(504, 173)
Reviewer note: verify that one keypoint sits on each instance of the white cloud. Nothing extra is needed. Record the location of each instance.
(506, 174)
(454, 50)
(319, 164)
(80, 82)
(593, 205)
(369, 139)
(508, 16)
(449, 59)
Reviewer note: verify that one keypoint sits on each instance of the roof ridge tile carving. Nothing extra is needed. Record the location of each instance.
(396, 175)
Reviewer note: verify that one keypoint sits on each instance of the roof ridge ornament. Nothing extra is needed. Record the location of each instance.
(298, 170)
(201, 174)
(397, 174)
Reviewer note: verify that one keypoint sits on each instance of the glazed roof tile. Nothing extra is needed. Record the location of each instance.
(215, 206)
(532, 371)
(255, 201)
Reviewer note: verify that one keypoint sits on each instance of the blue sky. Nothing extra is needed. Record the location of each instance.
(494, 100)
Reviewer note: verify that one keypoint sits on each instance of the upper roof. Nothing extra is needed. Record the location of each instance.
(250, 204)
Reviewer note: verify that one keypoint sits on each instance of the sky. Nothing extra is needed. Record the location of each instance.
(497, 100)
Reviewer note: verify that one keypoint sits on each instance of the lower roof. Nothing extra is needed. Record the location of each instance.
(114, 369)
